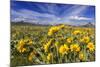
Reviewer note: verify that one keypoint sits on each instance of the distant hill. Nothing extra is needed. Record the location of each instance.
(27, 23)
(88, 25)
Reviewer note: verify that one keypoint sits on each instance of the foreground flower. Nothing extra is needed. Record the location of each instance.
(49, 57)
(20, 46)
(46, 46)
(85, 39)
(75, 47)
(81, 56)
(21, 42)
(53, 30)
(31, 55)
(63, 49)
(90, 46)
(21, 49)
(69, 40)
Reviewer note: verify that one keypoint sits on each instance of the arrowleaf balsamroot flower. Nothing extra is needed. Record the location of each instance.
(63, 49)
(69, 40)
(75, 47)
(90, 46)
(53, 30)
(81, 56)
(20, 46)
(49, 57)
(76, 32)
(61, 26)
(85, 39)
(46, 46)
(31, 55)
(21, 42)
(21, 49)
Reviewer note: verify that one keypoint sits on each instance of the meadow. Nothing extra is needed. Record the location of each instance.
(38, 44)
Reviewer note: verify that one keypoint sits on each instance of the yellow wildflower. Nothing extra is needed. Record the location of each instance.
(90, 46)
(63, 49)
(75, 47)
(49, 57)
(85, 39)
(49, 42)
(69, 40)
(62, 26)
(46, 46)
(21, 49)
(81, 56)
(31, 55)
(78, 49)
(50, 33)
(53, 30)
(20, 46)
(76, 32)
(21, 42)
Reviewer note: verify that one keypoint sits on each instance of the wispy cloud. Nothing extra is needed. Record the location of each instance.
(32, 16)
(79, 18)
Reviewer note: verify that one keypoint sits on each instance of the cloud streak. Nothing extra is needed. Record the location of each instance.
(30, 16)
(79, 18)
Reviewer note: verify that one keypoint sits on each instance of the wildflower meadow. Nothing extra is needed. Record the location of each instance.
(32, 45)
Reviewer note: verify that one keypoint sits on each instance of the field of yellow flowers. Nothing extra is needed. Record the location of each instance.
(32, 45)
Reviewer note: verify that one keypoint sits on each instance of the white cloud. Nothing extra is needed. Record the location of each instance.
(79, 18)
(74, 15)
(74, 11)
(29, 15)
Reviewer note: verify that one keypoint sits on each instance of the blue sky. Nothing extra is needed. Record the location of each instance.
(51, 13)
